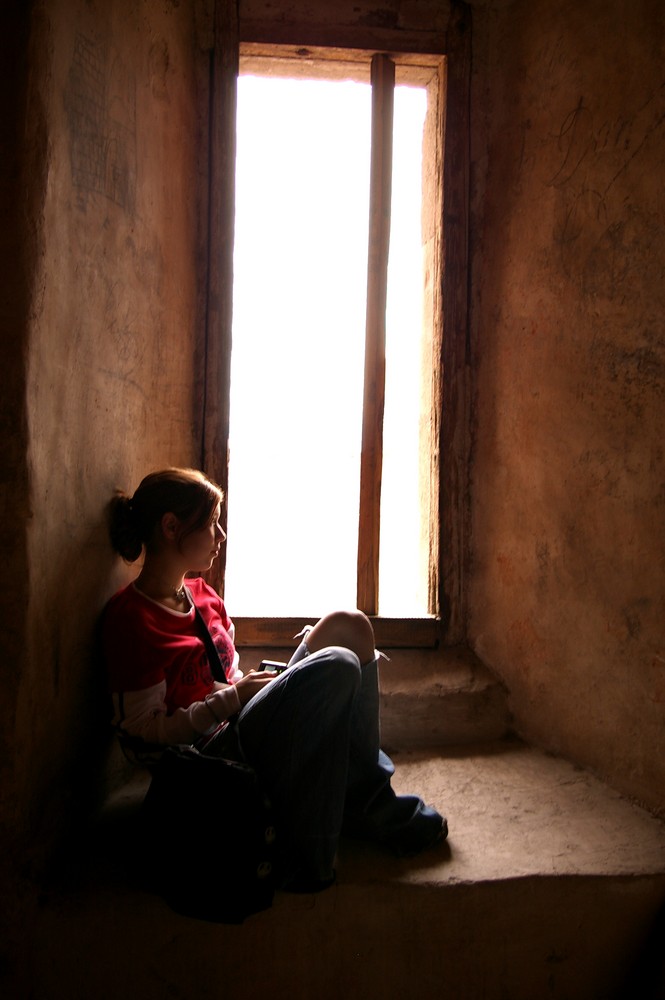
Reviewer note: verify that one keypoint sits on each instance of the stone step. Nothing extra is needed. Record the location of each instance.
(445, 699)
(431, 698)
(549, 886)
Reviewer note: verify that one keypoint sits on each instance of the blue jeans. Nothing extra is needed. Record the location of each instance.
(313, 737)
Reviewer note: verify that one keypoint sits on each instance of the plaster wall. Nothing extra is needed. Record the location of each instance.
(567, 577)
(113, 155)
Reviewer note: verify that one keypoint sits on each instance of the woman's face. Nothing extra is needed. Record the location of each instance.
(200, 548)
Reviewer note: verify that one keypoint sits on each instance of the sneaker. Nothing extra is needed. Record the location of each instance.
(426, 829)
(403, 823)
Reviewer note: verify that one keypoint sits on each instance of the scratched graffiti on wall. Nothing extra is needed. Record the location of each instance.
(608, 223)
(100, 100)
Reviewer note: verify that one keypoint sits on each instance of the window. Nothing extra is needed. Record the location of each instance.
(310, 478)
(443, 409)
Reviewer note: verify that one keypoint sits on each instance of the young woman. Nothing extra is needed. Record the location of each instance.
(311, 732)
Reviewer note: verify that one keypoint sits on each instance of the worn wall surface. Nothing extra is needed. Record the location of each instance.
(568, 298)
(112, 160)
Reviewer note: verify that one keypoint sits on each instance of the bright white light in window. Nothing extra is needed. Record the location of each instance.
(300, 261)
(402, 568)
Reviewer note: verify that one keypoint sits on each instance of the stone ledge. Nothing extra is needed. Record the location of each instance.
(513, 812)
(548, 886)
(448, 700)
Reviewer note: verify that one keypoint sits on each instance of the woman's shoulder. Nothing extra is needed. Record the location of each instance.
(132, 641)
(129, 606)
(127, 597)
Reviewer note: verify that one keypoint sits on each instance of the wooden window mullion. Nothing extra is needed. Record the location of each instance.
(219, 312)
(383, 87)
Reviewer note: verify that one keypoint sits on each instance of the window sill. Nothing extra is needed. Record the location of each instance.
(391, 633)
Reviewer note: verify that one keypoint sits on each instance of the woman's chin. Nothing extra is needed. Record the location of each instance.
(202, 567)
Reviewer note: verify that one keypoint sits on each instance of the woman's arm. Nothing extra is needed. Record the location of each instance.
(143, 714)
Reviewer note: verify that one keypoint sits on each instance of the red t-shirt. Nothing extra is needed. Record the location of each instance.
(146, 643)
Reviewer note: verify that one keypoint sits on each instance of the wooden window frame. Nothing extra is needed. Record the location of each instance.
(449, 265)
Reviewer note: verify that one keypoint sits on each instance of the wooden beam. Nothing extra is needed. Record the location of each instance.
(221, 202)
(390, 633)
(396, 41)
(334, 63)
(454, 431)
(383, 85)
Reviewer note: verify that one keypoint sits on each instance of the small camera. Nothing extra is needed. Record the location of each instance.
(275, 666)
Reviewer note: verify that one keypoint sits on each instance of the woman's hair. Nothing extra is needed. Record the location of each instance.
(187, 493)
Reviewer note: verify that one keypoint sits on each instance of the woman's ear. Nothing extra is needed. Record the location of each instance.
(170, 526)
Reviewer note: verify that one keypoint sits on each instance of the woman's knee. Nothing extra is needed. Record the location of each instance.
(336, 660)
(334, 672)
(349, 629)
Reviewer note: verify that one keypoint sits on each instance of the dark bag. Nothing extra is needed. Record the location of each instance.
(209, 836)
(209, 828)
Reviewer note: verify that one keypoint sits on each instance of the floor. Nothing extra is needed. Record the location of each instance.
(550, 885)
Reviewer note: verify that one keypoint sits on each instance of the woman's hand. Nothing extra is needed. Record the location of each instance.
(251, 684)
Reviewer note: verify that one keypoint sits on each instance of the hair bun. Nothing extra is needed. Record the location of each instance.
(124, 529)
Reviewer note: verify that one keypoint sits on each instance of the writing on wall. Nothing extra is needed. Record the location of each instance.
(100, 101)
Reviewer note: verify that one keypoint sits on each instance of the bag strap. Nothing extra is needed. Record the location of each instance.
(213, 656)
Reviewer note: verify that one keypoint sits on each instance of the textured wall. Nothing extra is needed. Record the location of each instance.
(568, 298)
(114, 150)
